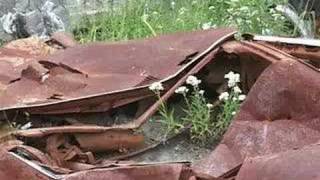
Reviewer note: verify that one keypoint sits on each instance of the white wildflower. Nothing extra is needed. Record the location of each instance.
(224, 96)
(181, 90)
(233, 113)
(193, 81)
(237, 90)
(201, 92)
(233, 79)
(156, 86)
(173, 4)
(210, 106)
(206, 26)
(242, 97)
(234, 99)
(26, 126)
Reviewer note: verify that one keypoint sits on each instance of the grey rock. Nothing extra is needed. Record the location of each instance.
(23, 18)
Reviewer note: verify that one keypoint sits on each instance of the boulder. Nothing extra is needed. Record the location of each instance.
(24, 18)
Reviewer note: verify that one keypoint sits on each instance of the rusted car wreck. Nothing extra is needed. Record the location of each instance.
(61, 86)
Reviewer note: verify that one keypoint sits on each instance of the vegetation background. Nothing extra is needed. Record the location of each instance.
(144, 18)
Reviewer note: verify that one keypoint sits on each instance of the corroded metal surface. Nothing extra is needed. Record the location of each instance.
(12, 168)
(279, 114)
(115, 140)
(156, 172)
(81, 79)
(296, 164)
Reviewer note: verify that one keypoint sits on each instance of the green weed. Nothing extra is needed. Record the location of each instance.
(144, 18)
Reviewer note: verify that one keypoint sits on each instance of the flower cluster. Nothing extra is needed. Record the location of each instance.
(231, 101)
(182, 90)
(233, 79)
(235, 94)
(224, 96)
(199, 111)
(193, 81)
(156, 87)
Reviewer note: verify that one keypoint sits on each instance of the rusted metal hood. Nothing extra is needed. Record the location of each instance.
(90, 74)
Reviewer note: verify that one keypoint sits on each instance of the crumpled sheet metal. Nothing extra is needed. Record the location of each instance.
(17, 55)
(279, 114)
(155, 172)
(94, 77)
(296, 164)
(13, 166)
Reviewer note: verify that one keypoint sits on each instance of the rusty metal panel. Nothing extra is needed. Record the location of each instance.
(90, 73)
(279, 114)
(12, 168)
(296, 164)
(155, 172)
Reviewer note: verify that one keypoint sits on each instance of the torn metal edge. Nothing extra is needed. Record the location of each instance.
(37, 167)
(277, 39)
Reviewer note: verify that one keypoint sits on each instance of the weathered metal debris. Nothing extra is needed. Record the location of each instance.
(293, 164)
(279, 114)
(69, 83)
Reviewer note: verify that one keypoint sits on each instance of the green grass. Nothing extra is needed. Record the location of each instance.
(145, 18)
(1, 42)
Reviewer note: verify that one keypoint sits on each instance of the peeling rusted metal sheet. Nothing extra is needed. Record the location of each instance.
(94, 77)
(14, 166)
(279, 114)
(17, 55)
(156, 172)
(307, 49)
(296, 164)
(63, 39)
(287, 40)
